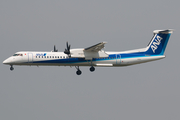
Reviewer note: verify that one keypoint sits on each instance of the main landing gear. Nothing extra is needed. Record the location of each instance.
(11, 68)
(78, 72)
(92, 69)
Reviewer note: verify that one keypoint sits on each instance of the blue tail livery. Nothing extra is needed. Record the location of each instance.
(159, 42)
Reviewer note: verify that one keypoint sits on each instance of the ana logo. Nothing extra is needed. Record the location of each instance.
(41, 54)
(157, 41)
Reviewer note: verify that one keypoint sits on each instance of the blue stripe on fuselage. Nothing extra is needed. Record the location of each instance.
(82, 60)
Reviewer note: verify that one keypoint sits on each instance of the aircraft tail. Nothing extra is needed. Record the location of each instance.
(159, 42)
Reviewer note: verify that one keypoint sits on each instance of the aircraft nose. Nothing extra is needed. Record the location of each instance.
(7, 61)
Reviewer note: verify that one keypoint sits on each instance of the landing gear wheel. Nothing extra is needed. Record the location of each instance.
(11, 68)
(78, 72)
(92, 69)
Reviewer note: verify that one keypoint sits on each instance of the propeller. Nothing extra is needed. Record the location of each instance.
(55, 50)
(67, 50)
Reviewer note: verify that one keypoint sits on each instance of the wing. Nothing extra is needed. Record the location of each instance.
(95, 48)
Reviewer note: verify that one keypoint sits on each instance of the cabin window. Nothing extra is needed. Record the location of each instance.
(61, 57)
(36, 56)
(58, 56)
(47, 56)
(39, 56)
(44, 56)
(52, 56)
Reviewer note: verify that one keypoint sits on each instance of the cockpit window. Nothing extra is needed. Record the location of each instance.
(18, 55)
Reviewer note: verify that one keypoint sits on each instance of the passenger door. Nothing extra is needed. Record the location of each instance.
(118, 59)
(30, 57)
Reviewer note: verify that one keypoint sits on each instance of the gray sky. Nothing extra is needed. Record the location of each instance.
(140, 92)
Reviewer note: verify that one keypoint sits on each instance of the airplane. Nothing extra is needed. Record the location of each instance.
(94, 56)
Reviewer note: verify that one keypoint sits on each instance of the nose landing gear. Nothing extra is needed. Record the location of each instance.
(11, 68)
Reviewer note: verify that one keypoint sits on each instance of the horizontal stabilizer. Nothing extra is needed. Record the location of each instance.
(163, 31)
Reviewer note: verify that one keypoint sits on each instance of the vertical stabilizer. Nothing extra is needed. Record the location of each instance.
(159, 42)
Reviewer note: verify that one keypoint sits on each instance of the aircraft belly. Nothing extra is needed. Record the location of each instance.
(138, 60)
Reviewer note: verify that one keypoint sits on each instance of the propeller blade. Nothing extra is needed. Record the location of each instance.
(67, 45)
(67, 49)
(55, 50)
